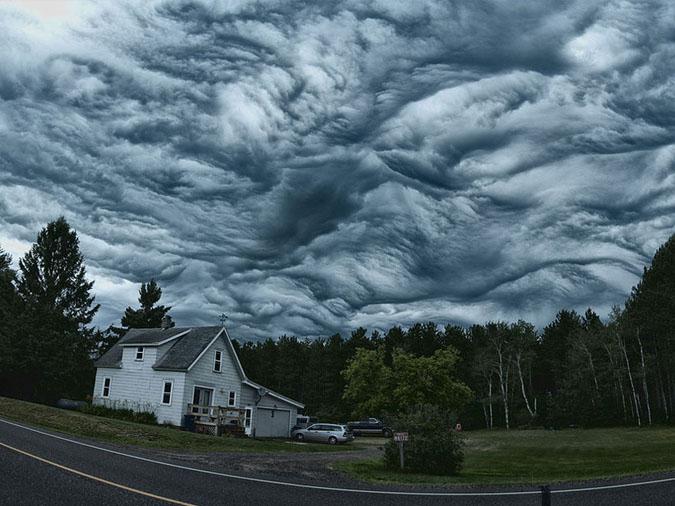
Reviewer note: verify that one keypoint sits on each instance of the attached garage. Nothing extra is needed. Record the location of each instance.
(272, 414)
(272, 422)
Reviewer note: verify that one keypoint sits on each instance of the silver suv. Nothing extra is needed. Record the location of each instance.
(324, 433)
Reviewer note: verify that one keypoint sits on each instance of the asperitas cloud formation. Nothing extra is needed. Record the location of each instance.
(308, 168)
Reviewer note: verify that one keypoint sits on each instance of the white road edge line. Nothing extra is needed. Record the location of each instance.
(262, 480)
(608, 487)
(338, 489)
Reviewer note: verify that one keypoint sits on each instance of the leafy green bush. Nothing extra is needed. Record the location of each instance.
(431, 449)
(120, 414)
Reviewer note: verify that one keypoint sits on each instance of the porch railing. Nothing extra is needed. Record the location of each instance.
(220, 416)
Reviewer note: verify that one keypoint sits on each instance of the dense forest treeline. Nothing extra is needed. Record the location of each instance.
(578, 370)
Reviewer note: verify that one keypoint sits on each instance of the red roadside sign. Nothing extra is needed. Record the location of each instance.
(400, 437)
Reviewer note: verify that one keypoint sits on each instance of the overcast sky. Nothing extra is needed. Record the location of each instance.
(307, 168)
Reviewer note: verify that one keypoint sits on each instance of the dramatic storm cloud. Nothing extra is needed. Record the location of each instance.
(310, 167)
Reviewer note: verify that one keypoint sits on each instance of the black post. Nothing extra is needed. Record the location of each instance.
(545, 495)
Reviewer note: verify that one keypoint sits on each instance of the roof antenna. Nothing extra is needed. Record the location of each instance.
(223, 318)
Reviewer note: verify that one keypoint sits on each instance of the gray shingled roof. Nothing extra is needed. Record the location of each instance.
(112, 357)
(187, 348)
(184, 350)
(151, 336)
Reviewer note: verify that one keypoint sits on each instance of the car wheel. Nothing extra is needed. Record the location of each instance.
(299, 437)
(387, 433)
(332, 440)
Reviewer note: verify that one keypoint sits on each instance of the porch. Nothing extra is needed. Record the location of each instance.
(218, 420)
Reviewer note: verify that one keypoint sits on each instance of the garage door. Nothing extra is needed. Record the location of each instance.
(272, 422)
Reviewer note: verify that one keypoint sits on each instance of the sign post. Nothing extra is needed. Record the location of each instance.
(400, 438)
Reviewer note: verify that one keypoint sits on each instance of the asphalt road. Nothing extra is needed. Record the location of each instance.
(33, 477)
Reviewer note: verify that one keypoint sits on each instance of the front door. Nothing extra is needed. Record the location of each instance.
(248, 418)
(202, 397)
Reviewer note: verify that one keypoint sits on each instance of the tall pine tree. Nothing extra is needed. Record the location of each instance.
(58, 305)
(148, 315)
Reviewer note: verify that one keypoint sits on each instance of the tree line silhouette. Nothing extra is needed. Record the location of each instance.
(577, 371)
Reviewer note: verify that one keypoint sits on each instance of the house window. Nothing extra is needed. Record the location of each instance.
(139, 353)
(218, 361)
(166, 393)
(232, 399)
(106, 388)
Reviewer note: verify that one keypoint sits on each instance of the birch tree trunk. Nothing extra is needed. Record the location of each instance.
(522, 387)
(490, 398)
(504, 386)
(622, 345)
(592, 367)
(617, 378)
(623, 400)
(644, 378)
(488, 418)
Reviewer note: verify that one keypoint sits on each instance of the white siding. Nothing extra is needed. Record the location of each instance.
(137, 386)
(129, 358)
(248, 396)
(202, 374)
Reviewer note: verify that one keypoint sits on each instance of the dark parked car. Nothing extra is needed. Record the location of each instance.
(369, 427)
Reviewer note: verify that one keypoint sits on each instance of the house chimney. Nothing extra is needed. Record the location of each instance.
(166, 321)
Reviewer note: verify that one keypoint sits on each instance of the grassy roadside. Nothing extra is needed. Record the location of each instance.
(149, 436)
(538, 456)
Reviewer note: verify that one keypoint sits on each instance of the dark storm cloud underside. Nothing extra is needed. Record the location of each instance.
(309, 168)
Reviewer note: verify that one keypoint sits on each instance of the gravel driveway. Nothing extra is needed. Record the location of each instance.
(311, 468)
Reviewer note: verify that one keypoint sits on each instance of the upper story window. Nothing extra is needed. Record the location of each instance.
(218, 361)
(106, 388)
(139, 353)
(232, 399)
(166, 393)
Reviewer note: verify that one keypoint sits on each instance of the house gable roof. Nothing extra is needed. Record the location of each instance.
(187, 349)
(188, 343)
(187, 346)
(152, 337)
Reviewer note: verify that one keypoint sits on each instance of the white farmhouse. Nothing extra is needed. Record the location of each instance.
(174, 372)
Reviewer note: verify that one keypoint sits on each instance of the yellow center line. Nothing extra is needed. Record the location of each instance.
(96, 478)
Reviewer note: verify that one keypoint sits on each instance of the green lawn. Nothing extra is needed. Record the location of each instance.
(150, 436)
(536, 457)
